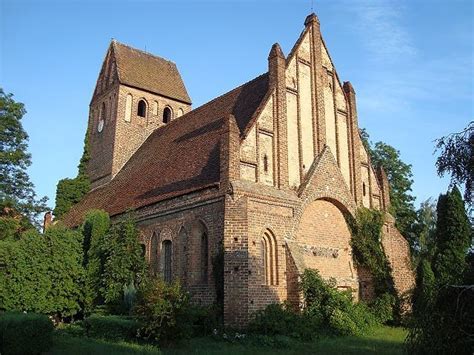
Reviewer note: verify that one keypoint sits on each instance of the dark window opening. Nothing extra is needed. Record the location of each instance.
(204, 257)
(103, 112)
(363, 188)
(154, 253)
(265, 163)
(167, 254)
(141, 108)
(143, 253)
(166, 115)
(264, 257)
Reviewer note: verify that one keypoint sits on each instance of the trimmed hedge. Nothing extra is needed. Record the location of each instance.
(111, 327)
(25, 333)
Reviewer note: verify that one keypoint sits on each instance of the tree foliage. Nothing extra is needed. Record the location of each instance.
(443, 318)
(422, 235)
(16, 189)
(42, 272)
(399, 175)
(94, 231)
(457, 159)
(71, 191)
(125, 267)
(453, 238)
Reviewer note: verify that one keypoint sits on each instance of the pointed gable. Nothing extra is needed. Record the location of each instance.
(149, 72)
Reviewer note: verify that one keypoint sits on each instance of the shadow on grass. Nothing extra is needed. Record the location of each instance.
(71, 345)
(383, 340)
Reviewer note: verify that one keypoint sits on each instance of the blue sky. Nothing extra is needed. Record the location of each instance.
(411, 63)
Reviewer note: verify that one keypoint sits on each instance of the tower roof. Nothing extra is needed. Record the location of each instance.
(149, 72)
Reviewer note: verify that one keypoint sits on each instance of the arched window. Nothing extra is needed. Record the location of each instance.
(141, 108)
(103, 112)
(166, 252)
(154, 254)
(167, 115)
(269, 259)
(180, 112)
(102, 117)
(204, 257)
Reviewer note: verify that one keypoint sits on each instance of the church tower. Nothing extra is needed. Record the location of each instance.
(136, 93)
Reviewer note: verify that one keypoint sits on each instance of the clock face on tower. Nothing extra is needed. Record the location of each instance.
(100, 126)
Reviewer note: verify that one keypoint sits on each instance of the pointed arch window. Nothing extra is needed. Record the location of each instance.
(167, 115)
(204, 257)
(141, 111)
(167, 252)
(154, 254)
(269, 262)
(102, 117)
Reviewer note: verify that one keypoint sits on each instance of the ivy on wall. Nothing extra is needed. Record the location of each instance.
(366, 230)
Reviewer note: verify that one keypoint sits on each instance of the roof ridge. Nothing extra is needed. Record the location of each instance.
(142, 51)
(203, 106)
(227, 93)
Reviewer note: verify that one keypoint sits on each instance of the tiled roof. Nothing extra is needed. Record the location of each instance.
(176, 159)
(146, 71)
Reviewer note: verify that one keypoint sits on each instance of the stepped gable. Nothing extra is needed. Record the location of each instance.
(149, 72)
(176, 159)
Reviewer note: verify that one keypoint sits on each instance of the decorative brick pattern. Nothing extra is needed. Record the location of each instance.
(267, 172)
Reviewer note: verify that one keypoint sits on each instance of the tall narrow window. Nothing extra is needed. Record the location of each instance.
(269, 259)
(167, 115)
(128, 108)
(167, 255)
(204, 257)
(141, 108)
(363, 189)
(154, 253)
(102, 117)
(265, 163)
(263, 255)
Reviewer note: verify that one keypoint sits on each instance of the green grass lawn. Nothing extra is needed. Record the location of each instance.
(384, 340)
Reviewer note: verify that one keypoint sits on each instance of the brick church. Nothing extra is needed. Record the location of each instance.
(265, 173)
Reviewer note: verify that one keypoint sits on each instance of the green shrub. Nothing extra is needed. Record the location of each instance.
(341, 323)
(204, 319)
(333, 309)
(111, 327)
(25, 333)
(326, 311)
(275, 319)
(383, 307)
(163, 310)
(280, 320)
(42, 272)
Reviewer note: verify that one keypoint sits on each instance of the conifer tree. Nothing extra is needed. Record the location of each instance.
(453, 238)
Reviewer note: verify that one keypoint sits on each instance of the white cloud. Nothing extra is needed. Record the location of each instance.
(380, 24)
